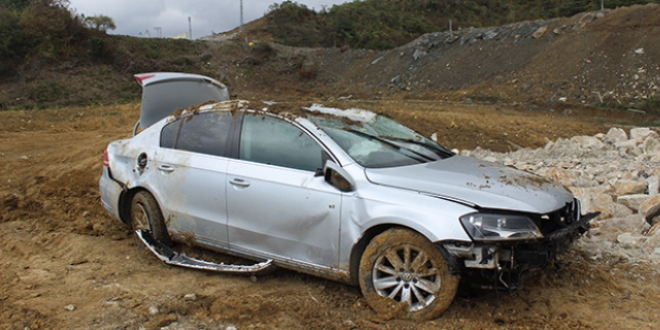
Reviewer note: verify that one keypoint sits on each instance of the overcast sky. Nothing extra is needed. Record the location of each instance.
(135, 17)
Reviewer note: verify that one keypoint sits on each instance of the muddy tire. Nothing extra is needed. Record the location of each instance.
(146, 215)
(403, 275)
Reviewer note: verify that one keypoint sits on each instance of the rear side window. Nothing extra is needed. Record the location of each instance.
(272, 141)
(169, 133)
(204, 133)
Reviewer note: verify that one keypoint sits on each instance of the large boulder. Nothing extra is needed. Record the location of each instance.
(654, 231)
(628, 148)
(588, 142)
(630, 240)
(640, 133)
(633, 223)
(653, 183)
(633, 201)
(629, 187)
(596, 199)
(562, 176)
(616, 135)
(650, 210)
(651, 146)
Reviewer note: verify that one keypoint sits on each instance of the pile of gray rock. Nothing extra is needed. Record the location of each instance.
(511, 32)
(617, 174)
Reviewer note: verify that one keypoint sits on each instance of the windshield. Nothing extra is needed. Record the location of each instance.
(377, 141)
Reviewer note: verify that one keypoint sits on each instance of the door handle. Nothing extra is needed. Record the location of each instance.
(166, 168)
(239, 183)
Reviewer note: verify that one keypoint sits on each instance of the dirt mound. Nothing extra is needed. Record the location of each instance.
(602, 57)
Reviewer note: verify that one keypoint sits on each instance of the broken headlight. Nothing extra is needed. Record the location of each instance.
(497, 227)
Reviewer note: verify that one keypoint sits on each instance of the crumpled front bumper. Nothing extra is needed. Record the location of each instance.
(537, 254)
(503, 263)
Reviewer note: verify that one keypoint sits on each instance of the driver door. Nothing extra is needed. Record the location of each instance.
(277, 207)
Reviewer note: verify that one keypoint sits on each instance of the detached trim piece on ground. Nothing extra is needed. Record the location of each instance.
(171, 257)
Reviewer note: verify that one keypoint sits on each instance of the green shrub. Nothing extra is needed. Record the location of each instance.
(651, 105)
(263, 50)
(46, 92)
(98, 48)
(296, 25)
(37, 29)
(15, 43)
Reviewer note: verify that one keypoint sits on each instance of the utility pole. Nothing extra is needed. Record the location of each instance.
(451, 31)
(241, 17)
(189, 28)
(159, 31)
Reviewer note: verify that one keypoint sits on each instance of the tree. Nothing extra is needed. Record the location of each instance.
(18, 5)
(100, 23)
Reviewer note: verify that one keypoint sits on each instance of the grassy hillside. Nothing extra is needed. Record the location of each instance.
(46, 32)
(384, 24)
(50, 59)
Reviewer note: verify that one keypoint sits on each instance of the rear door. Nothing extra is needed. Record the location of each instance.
(277, 206)
(191, 167)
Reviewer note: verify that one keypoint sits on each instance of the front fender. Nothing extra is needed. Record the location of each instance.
(436, 219)
(437, 222)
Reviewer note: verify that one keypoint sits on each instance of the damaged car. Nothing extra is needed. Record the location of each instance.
(345, 194)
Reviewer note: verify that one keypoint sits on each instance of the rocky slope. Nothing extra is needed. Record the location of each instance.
(617, 174)
(601, 57)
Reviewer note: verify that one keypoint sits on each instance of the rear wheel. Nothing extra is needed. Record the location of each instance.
(147, 216)
(402, 274)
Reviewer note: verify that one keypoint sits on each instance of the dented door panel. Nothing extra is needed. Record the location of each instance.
(283, 213)
(192, 193)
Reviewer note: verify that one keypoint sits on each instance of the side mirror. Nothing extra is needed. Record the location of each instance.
(338, 177)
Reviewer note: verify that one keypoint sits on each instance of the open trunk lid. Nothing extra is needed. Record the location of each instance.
(164, 92)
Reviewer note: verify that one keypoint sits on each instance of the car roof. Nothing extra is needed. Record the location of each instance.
(289, 110)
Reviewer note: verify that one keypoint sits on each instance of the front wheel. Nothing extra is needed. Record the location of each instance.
(402, 274)
(146, 215)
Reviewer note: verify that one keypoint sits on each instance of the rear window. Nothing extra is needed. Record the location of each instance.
(204, 133)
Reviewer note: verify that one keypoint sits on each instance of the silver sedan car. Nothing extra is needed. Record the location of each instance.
(345, 194)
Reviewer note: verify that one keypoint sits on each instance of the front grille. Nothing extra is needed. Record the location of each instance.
(560, 218)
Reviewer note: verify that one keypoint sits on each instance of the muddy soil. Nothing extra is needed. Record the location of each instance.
(66, 264)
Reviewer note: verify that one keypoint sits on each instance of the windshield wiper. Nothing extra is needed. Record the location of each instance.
(444, 152)
(395, 146)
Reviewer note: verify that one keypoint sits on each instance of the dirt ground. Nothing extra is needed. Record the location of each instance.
(66, 264)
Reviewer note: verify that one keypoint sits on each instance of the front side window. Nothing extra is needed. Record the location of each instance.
(273, 141)
(204, 133)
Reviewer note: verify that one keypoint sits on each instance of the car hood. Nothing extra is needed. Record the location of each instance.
(480, 183)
